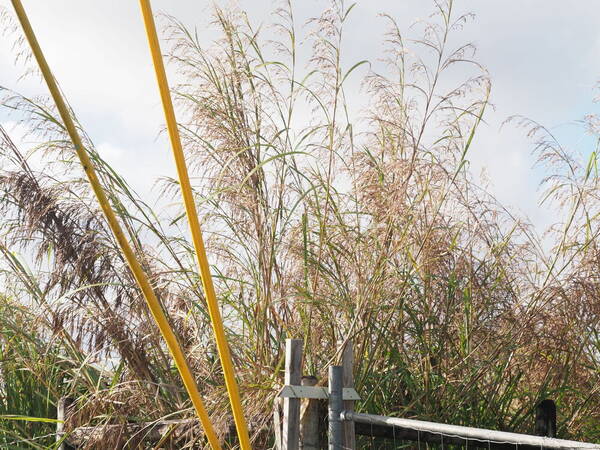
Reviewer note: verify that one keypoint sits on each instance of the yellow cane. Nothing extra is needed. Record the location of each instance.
(134, 265)
(192, 215)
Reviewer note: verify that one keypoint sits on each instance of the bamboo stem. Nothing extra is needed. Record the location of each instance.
(192, 215)
(140, 276)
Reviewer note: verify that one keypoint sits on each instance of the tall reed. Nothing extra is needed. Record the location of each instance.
(324, 223)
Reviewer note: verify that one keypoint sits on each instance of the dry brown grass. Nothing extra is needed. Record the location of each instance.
(322, 224)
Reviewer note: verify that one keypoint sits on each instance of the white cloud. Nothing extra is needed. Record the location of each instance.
(109, 152)
(542, 56)
(17, 133)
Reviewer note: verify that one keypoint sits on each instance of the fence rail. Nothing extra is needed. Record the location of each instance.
(300, 419)
(467, 433)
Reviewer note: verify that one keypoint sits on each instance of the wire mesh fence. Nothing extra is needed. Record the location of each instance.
(383, 432)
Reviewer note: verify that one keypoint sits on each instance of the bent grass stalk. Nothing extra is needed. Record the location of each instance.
(445, 292)
(138, 272)
(194, 224)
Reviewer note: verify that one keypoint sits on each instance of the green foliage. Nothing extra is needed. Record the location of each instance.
(27, 399)
(322, 224)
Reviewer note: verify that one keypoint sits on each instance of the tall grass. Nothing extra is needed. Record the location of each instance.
(324, 223)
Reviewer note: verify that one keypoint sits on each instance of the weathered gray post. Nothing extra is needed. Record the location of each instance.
(309, 422)
(291, 406)
(336, 426)
(277, 423)
(348, 365)
(62, 411)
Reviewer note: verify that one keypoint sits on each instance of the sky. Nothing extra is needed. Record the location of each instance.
(542, 57)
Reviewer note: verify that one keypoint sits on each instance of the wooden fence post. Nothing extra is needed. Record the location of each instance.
(310, 439)
(277, 422)
(62, 411)
(291, 406)
(336, 405)
(349, 438)
(545, 418)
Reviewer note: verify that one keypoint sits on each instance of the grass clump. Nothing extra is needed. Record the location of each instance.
(324, 222)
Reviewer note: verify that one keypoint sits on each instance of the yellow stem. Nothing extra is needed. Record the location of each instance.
(139, 274)
(192, 215)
